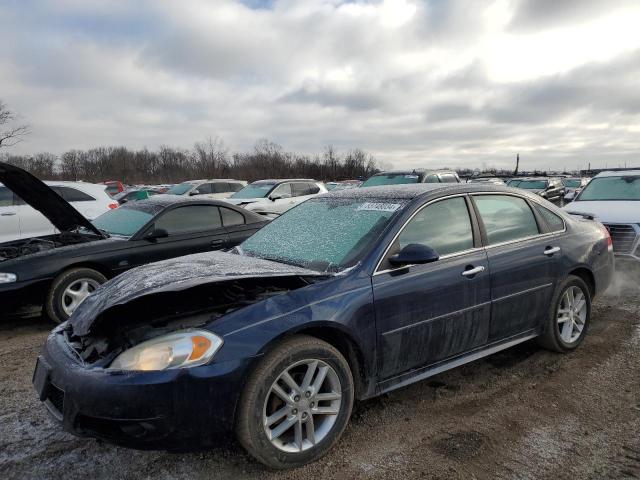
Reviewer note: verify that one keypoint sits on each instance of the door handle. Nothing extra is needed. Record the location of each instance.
(473, 271)
(549, 251)
(7, 214)
(216, 244)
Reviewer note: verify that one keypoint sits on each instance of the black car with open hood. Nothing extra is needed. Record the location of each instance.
(59, 271)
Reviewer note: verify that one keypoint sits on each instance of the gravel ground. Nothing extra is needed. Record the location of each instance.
(523, 413)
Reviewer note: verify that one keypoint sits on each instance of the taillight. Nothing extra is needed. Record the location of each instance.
(607, 235)
(114, 205)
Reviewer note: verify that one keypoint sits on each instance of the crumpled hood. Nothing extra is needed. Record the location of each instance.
(176, 275)
(608, 211)
(37, 194)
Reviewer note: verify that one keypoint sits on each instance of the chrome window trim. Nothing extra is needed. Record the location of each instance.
(444, 257)
(472, 250)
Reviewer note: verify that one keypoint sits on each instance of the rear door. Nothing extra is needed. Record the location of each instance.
(524, 263)
(9, 220)
(191, 229)
(427, 313)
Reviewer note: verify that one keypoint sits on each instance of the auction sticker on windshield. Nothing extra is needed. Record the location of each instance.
(379, 207)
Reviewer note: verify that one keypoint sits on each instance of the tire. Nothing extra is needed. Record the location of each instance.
(57, 303)
(258, 402)
(564, 336)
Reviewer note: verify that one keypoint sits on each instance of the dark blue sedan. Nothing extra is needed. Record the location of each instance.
(347, 296)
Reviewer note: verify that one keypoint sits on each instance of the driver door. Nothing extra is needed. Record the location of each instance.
(428, 313)
(191, 229)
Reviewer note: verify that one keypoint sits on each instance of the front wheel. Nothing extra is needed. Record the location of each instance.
(69, 289)
(568, 318)
(296, 403)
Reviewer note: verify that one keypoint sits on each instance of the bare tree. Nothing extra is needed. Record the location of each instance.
(10, 133)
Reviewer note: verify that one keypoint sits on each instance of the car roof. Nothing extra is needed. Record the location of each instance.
(283, 180)
(208, 180)
(168, 200)
(416, 190)
(619, 173)
(410, 171)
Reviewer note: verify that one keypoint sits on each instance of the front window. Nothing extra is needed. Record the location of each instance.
(444, 226)
(531, 184)
(612, 188)
(180, 189)
(391, 179)
(123, 221)
(324, 234)
(255, 190)
(571, 183)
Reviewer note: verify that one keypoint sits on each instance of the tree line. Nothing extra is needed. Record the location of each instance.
(208, 159)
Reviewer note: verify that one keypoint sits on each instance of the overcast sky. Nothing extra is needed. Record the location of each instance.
(416, 82)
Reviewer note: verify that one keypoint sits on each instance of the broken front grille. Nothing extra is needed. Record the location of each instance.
(55, 396)
(623, 237)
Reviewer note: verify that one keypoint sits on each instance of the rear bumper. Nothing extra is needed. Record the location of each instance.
(178, 410)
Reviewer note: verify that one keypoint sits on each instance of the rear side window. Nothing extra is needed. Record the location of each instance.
(235, 187)
(313, 188)
(432, 179)
(444, 226)
(300, 189)
(221, 187)
(72, 194)
(556, 224)
(6, 197)
(506, 218)
(231, 217)
(448, 178)
(196, 218)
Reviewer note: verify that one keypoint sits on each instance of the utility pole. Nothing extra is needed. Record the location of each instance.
(515, 172)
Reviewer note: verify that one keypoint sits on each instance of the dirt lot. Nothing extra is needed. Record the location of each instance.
(524, 413)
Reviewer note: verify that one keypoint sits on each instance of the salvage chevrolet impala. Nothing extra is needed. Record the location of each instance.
(345, 297)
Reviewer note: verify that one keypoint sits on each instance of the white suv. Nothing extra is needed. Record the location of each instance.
(214, 188)
(613, 198)
(274, 197)
(19, 220)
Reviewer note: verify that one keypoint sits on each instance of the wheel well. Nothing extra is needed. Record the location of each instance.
(348, 348)
(93, 266)
(587, 277)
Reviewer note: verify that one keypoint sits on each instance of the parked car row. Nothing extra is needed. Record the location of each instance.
(273, 339)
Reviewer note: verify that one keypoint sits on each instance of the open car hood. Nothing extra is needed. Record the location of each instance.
(175, 275)
(38, 195)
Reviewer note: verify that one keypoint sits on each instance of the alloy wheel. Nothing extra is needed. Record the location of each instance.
(572, 314)
(302, 405)
(76, 292)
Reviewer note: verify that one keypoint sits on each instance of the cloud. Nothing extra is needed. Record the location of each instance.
(418, 83)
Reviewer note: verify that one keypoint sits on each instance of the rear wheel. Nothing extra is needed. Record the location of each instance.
(568, 317)
(69, 290)
(296, 404)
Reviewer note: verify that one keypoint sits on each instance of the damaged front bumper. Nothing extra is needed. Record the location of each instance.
(177, 410)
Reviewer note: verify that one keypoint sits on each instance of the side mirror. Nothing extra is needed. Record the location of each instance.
(156, 233)
(414, 254)
(194, 192)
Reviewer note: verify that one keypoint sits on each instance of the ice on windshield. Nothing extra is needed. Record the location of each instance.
(254, 190)
(571, 183)
(122, 221)
(391, 179)
(327, 234)
(612, 188)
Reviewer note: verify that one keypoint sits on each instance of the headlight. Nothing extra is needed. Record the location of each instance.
(181, 349)
(8, 277)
